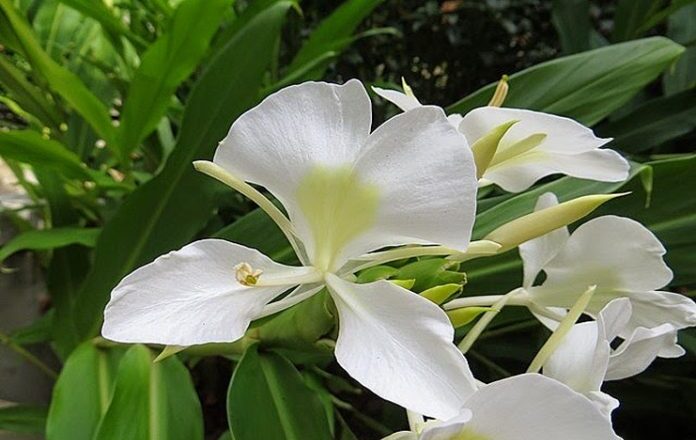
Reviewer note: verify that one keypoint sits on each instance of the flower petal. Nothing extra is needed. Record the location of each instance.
(563, 135)
(616, 254)
(581, 360)
(636, 353)
(399, 345)
(403, 101)
(654, 308)
(299, 127)
(538, 252)
(190, 296)
(425, 176)
(448, 429)
(533, 407)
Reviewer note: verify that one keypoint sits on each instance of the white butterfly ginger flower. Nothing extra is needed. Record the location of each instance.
(347, 192)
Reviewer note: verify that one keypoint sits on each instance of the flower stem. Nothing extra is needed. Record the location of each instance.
(563, 328)
(486, 319)
(9, 343)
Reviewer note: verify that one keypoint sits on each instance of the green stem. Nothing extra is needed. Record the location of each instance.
(21, 351)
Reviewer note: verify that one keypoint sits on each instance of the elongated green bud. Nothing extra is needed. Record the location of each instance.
(484, 149)
(406, 284)
(440, 294)
(463, 316)
(501, 91)
(542, 222)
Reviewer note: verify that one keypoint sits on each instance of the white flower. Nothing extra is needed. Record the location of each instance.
(585, 359)
(347, 191)
(618, 255)
(538, 145)
(524, 407)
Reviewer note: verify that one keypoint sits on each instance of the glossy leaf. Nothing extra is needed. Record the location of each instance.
(571, 18)
(44, 239)
(587, 86)
(98, 10)
(170, 209)
(61, 80)
(151, 400)
(630, 16)
(30, 147)
(654, 122)
(23, 419)
(332, 35)
(681, 28)
(165, 65)
(268, 399)
(82, 393)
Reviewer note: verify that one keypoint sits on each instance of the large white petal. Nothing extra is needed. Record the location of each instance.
(636, 353)
(533, 407)
(538, 252)
(399, 345)
(403, 101)
(616, 254)
(521, 172)
(447, 430)
(581, 360)
(299, 127)
(190, 296)
(654, 308)
(563, 135)
(425, 177)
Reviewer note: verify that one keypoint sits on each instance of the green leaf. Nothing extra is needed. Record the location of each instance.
(28, 96)
(166, 212)
(571, 18)
(151, 401)
(23, 419)
(430, 272)
(268, 399)
(44, 239)
(630, 15)
(82, 393)
(332, 35)
(165, 65)
(97, 10)
(61, 80)
(30, 147)
(654, 122)
(586, 86)
(36, 332)
(258, 231)
(682, 29)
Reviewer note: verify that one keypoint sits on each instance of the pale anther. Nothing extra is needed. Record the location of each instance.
(247, 275)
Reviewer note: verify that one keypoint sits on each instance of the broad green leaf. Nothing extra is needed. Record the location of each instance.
(661, 15)
(61, 80)
(23, 419)
(653, 122)
(630, 16)
(333, 34)
(170, 209)
(151, 401)
(44, 239)
(30, 147)
(258, 231)
(571, 18)
(681, 28)
(268, 399)
(587, 86)
(82, 393)
(98, 10)
(165, 65)
(29, 97)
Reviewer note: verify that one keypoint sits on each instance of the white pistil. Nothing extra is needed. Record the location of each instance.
(217, 172)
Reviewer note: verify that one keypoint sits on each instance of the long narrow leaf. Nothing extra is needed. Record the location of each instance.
(45, 239)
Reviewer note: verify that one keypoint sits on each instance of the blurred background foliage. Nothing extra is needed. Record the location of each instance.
(105, 104)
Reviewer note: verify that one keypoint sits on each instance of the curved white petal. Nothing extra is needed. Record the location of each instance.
(614, 318)
(581, 360)
(275, 143)
(403, 101)
(636, 353)
(402, 435)
(448, 429)
(616, 254)
(424, 173)
(190, 296)
(399, 345)
(654, 308)
(533, 407)
(563, 135)
(604, 402)
(538, 252)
